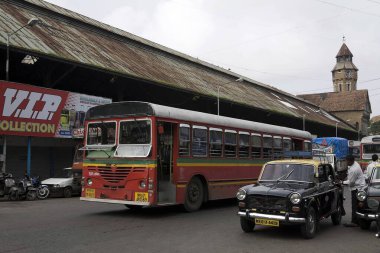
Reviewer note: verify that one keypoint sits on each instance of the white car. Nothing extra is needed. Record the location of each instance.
(65, 186)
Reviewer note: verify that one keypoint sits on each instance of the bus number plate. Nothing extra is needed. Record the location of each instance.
(90, 193)
(141, 196)
(265, 222)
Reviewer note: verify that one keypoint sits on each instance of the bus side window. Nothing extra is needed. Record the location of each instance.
(199, 145)
(288, 145)
(267, 146)
(277, 147)
(230, 144)
(243, 144)
(306, 146)
(216, 138)
(256, 145)
(184, 140)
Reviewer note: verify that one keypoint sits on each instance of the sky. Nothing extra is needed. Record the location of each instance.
(290, 45)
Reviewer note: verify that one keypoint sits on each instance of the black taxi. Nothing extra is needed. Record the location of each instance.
(288, 192)
(368, 201)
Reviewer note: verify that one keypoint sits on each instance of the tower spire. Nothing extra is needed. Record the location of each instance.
(345, 73)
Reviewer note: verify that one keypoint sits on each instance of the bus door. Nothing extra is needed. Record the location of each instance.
(166, 189)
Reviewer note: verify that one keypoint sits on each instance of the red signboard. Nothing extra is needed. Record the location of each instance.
(35, 111)
(29, 110)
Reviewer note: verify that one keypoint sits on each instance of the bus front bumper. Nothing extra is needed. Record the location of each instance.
(115, 201)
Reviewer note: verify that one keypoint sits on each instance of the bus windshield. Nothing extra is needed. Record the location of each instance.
(288, 172)
(101, 139)
(101, 134)
(371, 148)
(134, 138)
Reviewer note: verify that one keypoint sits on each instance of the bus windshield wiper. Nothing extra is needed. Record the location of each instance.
(99, 149)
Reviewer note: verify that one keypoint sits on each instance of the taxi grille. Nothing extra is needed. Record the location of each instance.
(266, 202)
(114, 175)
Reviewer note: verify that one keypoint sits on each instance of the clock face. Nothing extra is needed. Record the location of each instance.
(348, 73)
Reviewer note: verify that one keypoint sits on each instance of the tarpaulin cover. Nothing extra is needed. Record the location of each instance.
(332, 145)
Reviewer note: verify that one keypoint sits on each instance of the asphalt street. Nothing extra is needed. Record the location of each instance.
(69, 225)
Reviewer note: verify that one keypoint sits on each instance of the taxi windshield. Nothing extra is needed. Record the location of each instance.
(288, 172)
(375, 175)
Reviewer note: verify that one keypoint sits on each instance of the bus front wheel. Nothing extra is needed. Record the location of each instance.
(194, 195)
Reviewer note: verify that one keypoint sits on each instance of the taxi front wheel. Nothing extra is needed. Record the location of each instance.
(247, 225)
(364, 224)
(309, 229)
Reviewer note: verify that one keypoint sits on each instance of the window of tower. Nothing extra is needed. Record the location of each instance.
(348, 84)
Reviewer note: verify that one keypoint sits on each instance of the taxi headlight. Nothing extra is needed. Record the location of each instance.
(240, 195)
(89, 182)
(295, 198)
(361, 196)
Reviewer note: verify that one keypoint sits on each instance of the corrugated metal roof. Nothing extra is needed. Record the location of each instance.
(73, 37)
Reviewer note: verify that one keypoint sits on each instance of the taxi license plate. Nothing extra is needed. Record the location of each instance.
(90, 193)
(266, 222)
(141, 196)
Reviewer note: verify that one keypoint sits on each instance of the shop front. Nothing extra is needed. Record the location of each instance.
(40, 128)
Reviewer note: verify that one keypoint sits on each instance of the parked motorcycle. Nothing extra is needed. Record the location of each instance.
(42, 189)
(23, 190)
(6, 182)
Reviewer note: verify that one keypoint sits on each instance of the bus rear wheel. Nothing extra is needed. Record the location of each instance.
(194, 195)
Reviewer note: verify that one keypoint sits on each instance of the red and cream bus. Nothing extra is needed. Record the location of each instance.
(370, 145)
(143, 154)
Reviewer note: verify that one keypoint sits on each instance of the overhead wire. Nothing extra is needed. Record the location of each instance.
(276, 33)
(349, 8)
(373, 1)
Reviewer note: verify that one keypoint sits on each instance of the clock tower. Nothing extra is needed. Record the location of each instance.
(345, 73)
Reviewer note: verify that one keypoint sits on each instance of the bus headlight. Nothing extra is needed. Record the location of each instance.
(241, 194)
(295, 198)
(142, 184)
(361, 196)
(89, 181)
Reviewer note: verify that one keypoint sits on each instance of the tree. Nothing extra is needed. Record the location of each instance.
(375, 128)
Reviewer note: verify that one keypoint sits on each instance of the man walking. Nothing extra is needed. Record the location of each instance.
(371, 165)
(356, 181)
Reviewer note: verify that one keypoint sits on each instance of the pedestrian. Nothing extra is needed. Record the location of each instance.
(356, 181)
(371, 165)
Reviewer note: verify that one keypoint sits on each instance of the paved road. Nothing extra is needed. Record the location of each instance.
(69, 225)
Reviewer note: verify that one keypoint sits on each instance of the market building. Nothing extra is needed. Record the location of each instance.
(66, 51)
